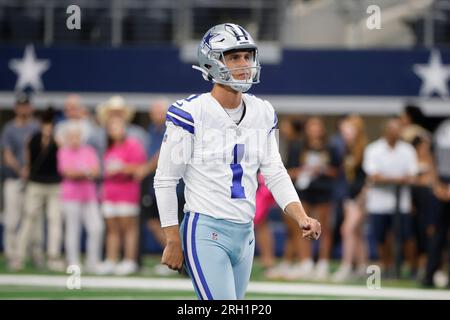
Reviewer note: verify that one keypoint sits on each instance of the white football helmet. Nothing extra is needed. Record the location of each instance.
(215, 43)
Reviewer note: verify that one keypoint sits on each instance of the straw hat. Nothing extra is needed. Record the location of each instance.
(115, 103)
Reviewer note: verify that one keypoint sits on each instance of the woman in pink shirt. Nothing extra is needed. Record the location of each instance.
(78, 164)
(121, 197)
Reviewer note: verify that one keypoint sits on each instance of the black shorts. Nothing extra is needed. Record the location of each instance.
(315, 196)
(382, 223)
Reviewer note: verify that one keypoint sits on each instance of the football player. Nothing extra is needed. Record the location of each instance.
(217, 142)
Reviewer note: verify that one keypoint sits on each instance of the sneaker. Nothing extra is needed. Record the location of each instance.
(106, 267)
(344, 273)
(302, 270)
(163, 271)
(361, 271)
(55, 264)
(15, 265)
(389, 273)
(440, 279)
(279, 271)
(126, 267)
(91, 268)
(38, 261)
(322, 271)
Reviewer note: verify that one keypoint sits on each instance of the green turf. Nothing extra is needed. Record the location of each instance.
(18, 292)
(31, 292)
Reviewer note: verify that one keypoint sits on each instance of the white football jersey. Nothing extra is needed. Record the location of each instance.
(219, 159)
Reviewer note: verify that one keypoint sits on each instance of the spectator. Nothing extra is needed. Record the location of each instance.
(290, 132)
(15, 135)
(412, 121)
(156, 130)
(426, 205)
(354, 245)
(42, 193)
(389, 164)
(74, 110)
(116, 107)
(263, 233)
(313, 165)
(442, 192)
(78, 165)
(340, 186)
(121, 192)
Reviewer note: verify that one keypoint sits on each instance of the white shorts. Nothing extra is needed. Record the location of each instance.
(119, 209)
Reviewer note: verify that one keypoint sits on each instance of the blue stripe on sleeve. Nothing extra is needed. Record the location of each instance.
(180, 123)
(181, 113)
(275, 122)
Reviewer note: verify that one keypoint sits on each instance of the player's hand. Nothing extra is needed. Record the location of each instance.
(311, 228)
(173, 256)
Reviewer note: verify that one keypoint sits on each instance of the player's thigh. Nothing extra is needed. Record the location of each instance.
(212, 270)
(207, 263)
(242, 271)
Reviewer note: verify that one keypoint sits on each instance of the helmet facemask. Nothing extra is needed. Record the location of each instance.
(225, 75)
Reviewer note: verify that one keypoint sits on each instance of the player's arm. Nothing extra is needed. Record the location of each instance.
(280, 184)
(174, 154)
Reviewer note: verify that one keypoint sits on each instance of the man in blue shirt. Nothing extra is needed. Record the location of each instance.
(14, 137)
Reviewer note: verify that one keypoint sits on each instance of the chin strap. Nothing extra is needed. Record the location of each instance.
(205, 73)
(208, 78)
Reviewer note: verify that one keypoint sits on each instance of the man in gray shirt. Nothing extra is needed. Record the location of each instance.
(14, 137)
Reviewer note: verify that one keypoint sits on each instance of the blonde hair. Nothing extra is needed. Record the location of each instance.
(357, 149)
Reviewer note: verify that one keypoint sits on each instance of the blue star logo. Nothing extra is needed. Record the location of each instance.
(207, 39)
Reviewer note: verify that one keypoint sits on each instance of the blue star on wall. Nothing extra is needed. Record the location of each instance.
(207, 39)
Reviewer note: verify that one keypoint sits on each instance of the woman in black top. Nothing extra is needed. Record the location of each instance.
(42, 151)
(313, 166)
(42, 192)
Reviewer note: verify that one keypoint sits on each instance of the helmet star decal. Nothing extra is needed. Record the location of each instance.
(207, 39)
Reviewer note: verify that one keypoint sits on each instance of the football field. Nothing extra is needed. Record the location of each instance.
(41, 284)
(133, 288)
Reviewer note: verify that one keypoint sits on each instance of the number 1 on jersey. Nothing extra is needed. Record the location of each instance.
(237, 189)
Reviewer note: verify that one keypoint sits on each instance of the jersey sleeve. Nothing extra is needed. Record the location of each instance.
(175, 154)
(272, 119)
(182, 114)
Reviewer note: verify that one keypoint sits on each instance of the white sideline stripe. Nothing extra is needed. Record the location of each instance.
(348, 291)
(254, 287)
